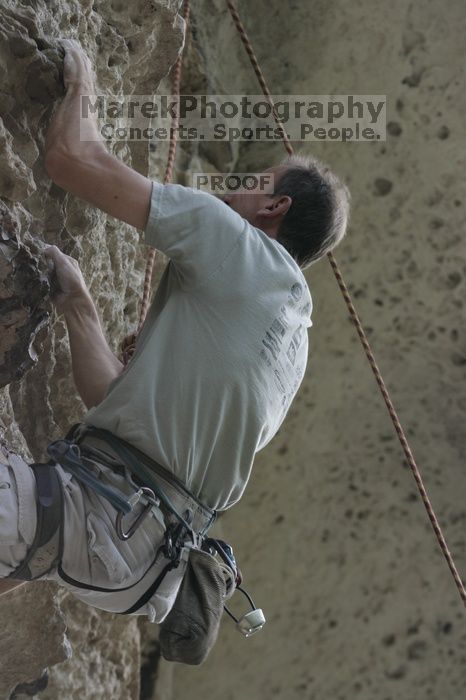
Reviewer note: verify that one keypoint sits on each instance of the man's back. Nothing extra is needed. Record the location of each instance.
(223, 349)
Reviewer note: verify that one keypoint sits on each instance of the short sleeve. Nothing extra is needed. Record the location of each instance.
(194, 229)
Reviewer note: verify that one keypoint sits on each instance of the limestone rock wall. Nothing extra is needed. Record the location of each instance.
(132, 45)
(331, 535)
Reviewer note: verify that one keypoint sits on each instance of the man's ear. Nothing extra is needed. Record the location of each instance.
(278, 207)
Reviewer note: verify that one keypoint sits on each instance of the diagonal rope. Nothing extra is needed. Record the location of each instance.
(355, 319)
(128, 343)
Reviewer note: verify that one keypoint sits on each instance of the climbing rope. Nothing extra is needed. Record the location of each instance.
(129, 342)
(355, 319)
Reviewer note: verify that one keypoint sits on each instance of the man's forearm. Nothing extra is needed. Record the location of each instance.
(69, 134)
(94, 364)
(76, 157)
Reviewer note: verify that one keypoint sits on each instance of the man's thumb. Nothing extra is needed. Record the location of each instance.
(51, 254)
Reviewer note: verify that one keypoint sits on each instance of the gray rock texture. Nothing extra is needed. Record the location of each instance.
(132, 47)
(331, 535)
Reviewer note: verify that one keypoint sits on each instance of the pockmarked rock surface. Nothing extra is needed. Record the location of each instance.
(30, 642)
(132, 47)
(331, 536)
(23, 305)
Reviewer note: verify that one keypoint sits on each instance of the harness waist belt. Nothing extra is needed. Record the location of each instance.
(176, 502)
(174, 496)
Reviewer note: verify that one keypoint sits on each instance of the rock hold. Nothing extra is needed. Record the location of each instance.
(132, 47)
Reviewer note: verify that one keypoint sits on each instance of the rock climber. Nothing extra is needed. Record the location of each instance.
(218, 361)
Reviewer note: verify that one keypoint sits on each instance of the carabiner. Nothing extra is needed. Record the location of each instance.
(149, 494)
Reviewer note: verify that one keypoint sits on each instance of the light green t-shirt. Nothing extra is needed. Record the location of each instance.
(223, 349)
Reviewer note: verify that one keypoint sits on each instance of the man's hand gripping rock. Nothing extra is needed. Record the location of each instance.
(71, 127)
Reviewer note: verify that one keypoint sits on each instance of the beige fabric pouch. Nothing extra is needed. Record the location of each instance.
(190, 630)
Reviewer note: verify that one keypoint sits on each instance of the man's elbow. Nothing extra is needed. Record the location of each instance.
(94, 394)
(56, 166)
(63, 168)
(101, 179)
(66, 168)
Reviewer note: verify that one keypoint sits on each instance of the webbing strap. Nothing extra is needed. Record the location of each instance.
(62, 452)
(139, 470)
(145, 474)
(150, 591)
(47, 546)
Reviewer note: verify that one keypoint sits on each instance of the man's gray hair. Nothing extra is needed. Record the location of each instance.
(317, 219)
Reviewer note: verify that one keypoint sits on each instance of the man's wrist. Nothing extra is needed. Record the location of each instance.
(78, 120)
(80, 303)
(78, 87)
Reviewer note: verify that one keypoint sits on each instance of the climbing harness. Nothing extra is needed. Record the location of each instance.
(68, 455)
(143, 468)
(134, 500)
(47, 547)
(186, 522)
(129, 342)
(185, 519)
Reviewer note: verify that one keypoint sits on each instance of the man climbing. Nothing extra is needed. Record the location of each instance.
(217, 364)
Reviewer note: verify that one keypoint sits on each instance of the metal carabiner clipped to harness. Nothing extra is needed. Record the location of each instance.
(134, 500)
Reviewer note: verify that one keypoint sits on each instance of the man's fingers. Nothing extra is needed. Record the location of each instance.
(51, 251)
(69, 63)
(54, 256)
(75, 52)
(50, 257)
(61, 260)
(72, 47)
(57, 256)
(70, 43)
(77, 66)
(52, 265)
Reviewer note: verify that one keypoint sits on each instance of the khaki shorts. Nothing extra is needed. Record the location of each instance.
(18, 519)
(93, 554)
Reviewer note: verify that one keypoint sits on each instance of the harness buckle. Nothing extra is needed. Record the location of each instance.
(175, 538)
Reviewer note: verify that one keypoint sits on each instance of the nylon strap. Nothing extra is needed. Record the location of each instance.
(47, 546)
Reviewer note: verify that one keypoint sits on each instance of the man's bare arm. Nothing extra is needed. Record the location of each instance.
(94, 364)
(105, 182)
(85, 167)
